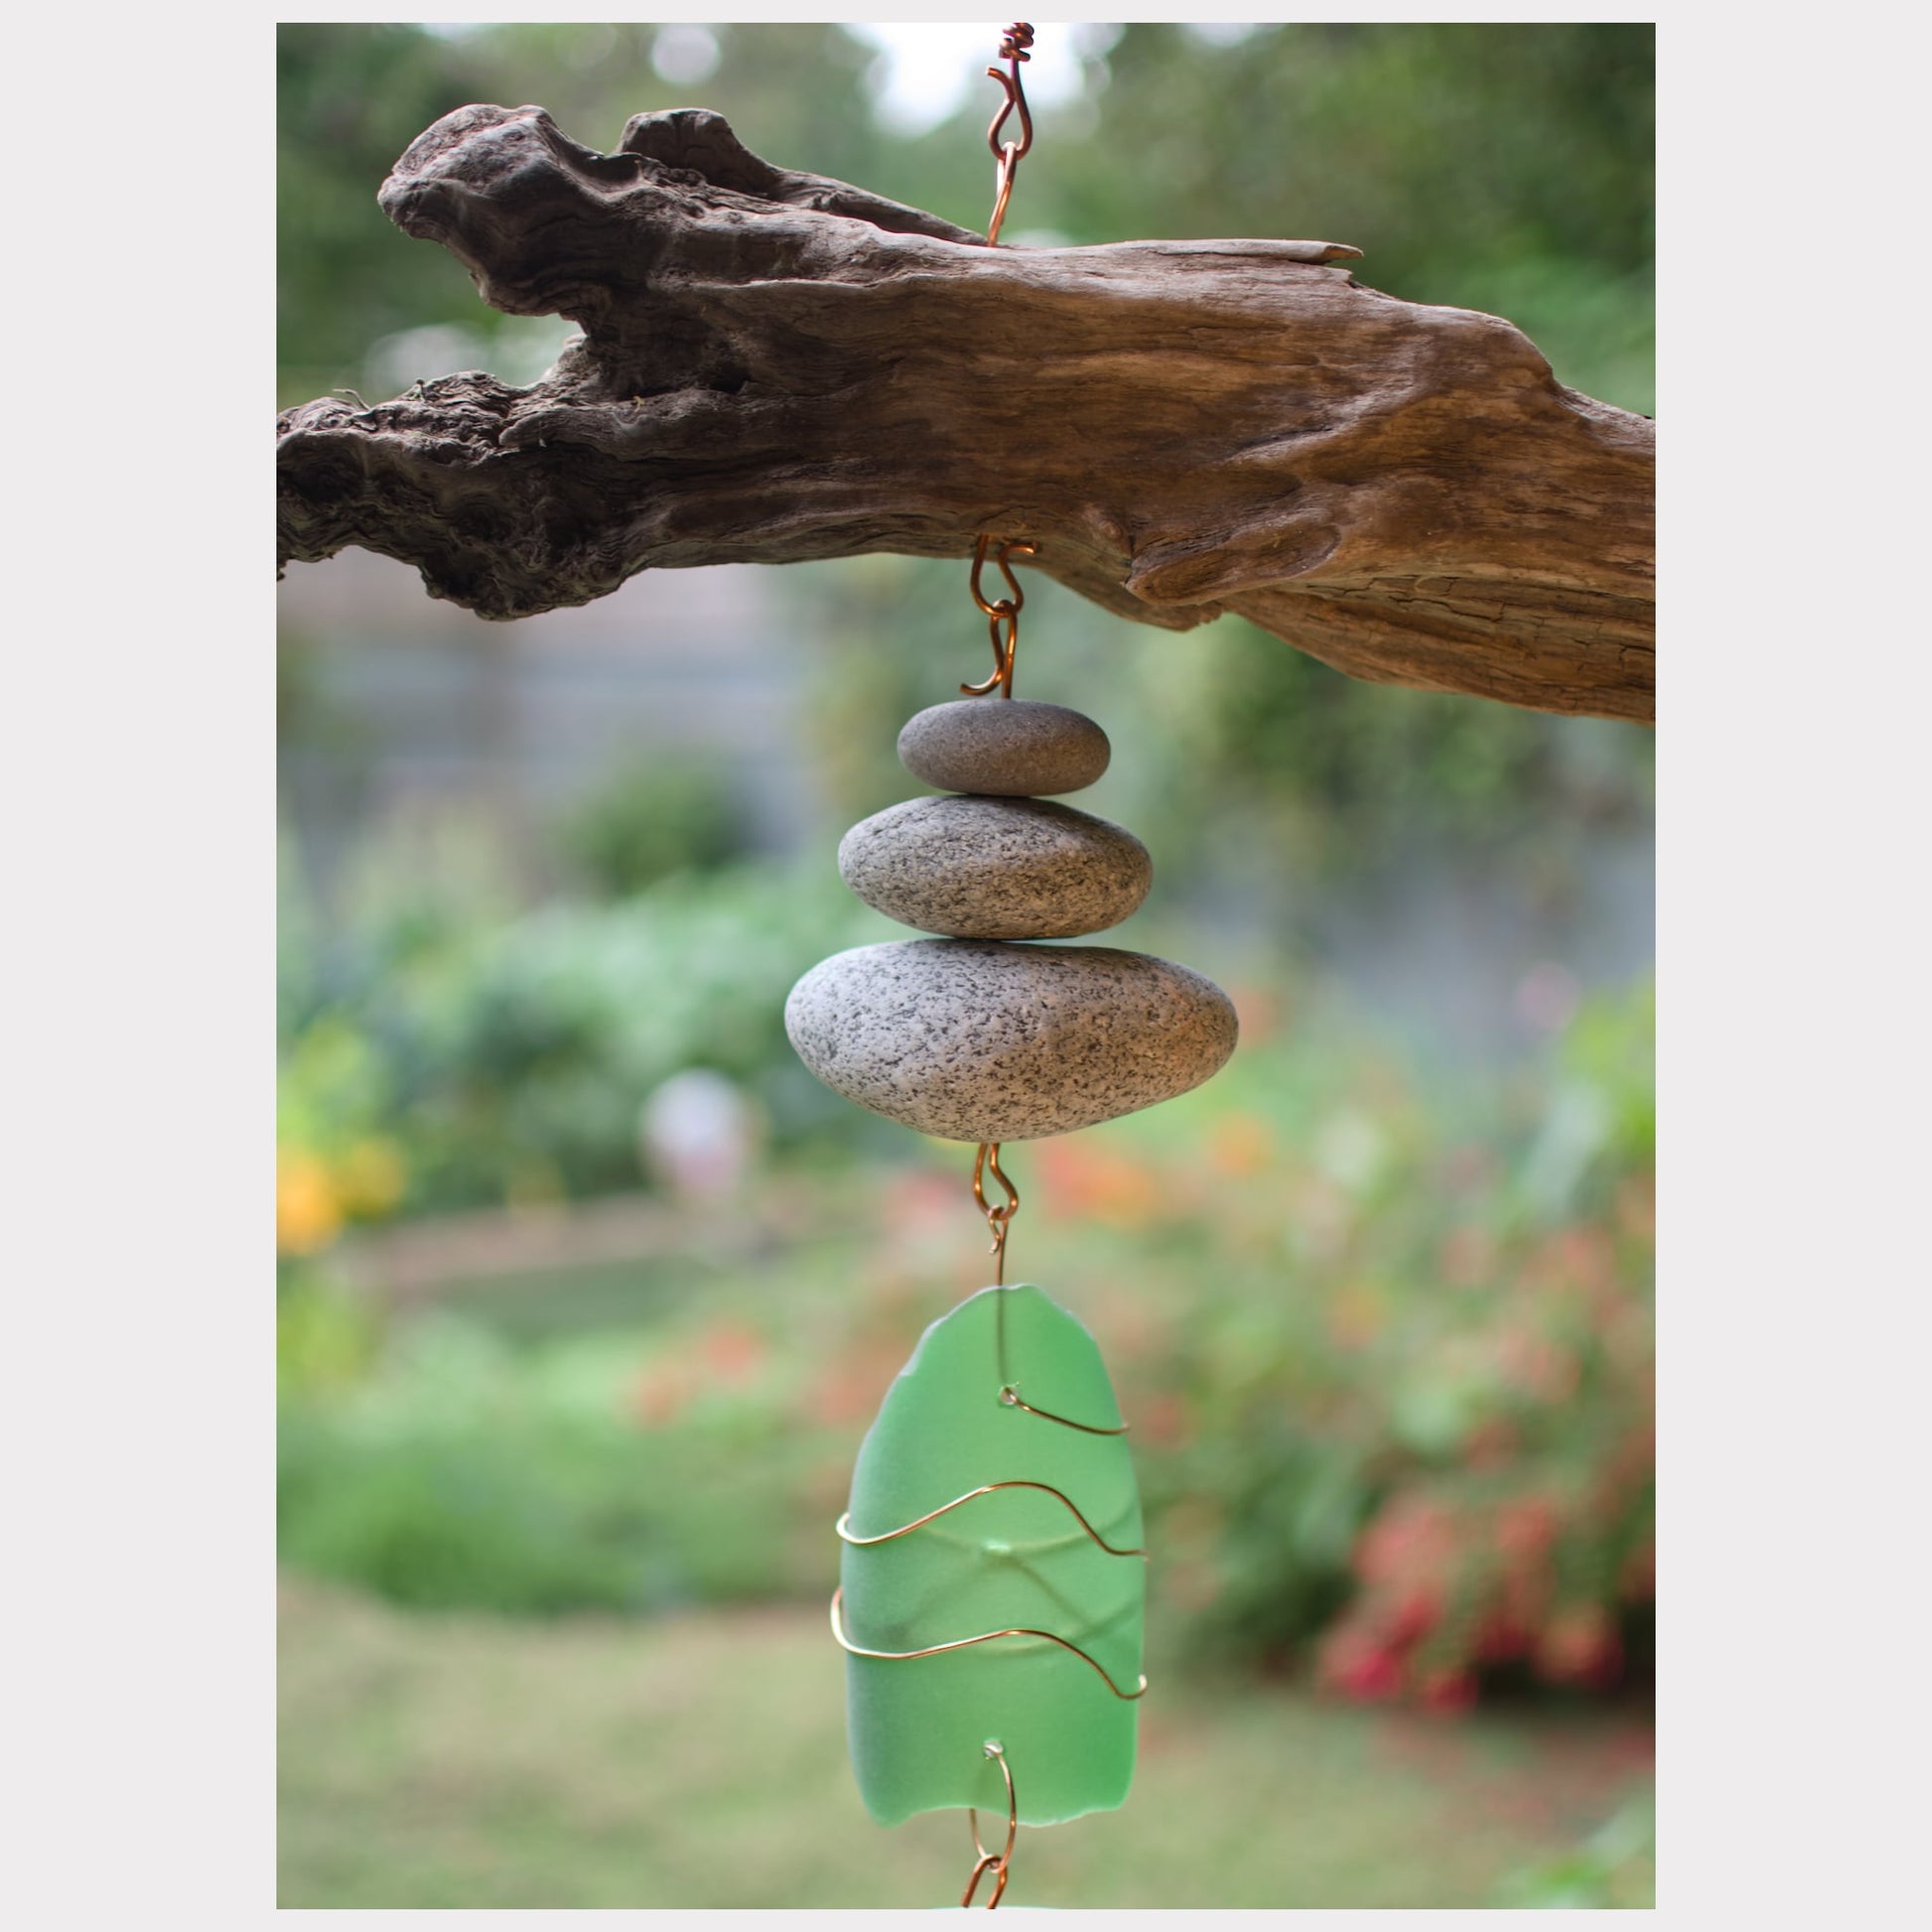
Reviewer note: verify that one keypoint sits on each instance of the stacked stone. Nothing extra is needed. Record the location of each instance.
(980, 1035)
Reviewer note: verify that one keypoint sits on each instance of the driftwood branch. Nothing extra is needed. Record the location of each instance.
(775, 367)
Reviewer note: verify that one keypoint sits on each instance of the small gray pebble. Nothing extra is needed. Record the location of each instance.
(996, 868)
(1003, 747)
(972, 1040)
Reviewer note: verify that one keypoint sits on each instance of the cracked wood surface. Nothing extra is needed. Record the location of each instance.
(776, 367)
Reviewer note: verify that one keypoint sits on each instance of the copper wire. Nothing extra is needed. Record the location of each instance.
(964, 1643)
(1010, 1395)
(1009, 153)
(1007, 605)
(998, 1861)
(985, 1489)
(1001, 615)
(997, 1218)
(1003, 618)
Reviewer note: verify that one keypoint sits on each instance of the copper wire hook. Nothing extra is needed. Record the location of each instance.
(1013, 49)
(997, 1218)
(1005, 612)
(1009, 153)
(997, 1862)
(1009, 605)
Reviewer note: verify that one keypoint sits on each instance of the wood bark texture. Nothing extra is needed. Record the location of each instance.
(775, 367)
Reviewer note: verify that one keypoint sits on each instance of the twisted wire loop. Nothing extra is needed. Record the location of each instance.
(1009, 153)
(1001, 615)
(844, 1524)
(998, 1217)
(993, 1861)
(846, 1645)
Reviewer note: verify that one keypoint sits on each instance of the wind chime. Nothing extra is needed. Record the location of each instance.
(993, 1579)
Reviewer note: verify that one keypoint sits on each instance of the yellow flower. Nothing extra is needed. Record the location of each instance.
(308, 1214)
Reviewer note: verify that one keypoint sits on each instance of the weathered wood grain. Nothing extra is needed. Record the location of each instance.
(775, 367)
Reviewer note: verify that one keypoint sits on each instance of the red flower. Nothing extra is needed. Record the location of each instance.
(1525, 1527)
(1447, 1690)
(1502, 1639)
(1363, 1670)
(1418, 1613)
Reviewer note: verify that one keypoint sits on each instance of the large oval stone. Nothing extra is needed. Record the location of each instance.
(996, 868)
(974, 1040)
(1003, 747)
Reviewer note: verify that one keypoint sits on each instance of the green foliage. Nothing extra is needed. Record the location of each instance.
(461, 1473)
(649, 820)
(506, 1057)
(325, 1339)
(350, 100)
(1269, 749)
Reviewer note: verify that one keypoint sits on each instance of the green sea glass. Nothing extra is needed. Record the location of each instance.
(918, 1727)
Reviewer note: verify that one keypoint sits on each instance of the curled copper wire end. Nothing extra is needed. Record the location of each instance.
(846, 1645)
(844, 1525)
(1009, 153)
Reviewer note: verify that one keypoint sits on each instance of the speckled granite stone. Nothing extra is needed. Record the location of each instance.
(996, 868)
(1003, 747)
(973, 1039)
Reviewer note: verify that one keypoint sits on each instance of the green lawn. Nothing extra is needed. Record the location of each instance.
(463, 1761)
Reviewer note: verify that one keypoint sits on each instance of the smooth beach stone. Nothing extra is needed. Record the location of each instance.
(1016, 1558)
(1003, 747)
(976, 1039)
(996, 868)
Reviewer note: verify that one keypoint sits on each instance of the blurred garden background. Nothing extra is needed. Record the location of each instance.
(588, 1290)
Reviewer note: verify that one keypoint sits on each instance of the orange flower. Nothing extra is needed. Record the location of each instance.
(1093, 1182)
(308, 1213)
(1241, 1145)
(732, 1352)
